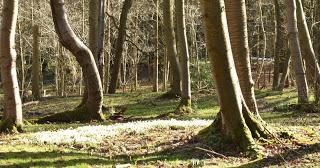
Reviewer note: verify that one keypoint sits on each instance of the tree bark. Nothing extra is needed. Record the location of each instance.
(119, 46)
(93, 103)
(280, 45)
(36, 57)
(183, 50)
(96, 33)
(12, 116)
(312, 65)
(240, 49)
(296, 52)
(236, 123)
(170, 42)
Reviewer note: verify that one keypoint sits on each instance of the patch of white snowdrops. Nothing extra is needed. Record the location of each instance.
(96, 134)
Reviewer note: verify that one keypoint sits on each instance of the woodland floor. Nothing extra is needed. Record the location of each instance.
(142, 135)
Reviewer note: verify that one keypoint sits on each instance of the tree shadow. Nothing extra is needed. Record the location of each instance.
(53, 159)
(288, 155)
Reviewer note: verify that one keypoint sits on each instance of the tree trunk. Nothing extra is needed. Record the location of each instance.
(264, 40)
(96, 33)
(36, 60)
(108, 51)
(312, 65)
(240, 49)
(12, 116)
(183, 50)
(170, 42)
(296, 52)
(236, 123)
(91, 109)
(119, 46)
(156, 60)
(280, 45)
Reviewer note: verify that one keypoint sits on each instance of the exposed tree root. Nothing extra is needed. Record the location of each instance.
(7, 126)
(215, 136)
(184, 107)
(79, 114)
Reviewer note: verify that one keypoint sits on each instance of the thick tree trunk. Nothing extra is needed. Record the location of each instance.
(312, 65)
(91, 109)
(119, 46)
(12, 116)
(170, 42)
(296, 52)
(183, 51)
(236, 123)
(96, 33)
(240, 49)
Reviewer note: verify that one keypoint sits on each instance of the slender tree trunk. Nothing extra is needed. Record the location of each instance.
(183, 50)
(156, 60)
(235, 121)
(12, 116)
(240, 49)
(280, 45)
(22, 62)
(264, 40)
(312, 65)
(296, 52)
(119, 46)
(36, 60)
(108, 51)
(169, 36)
(91, 109)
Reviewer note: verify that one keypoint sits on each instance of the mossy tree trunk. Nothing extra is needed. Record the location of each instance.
(183, 51)
(237, 124)
(119, 46)
(171, 49)
(295, 51)
(240, 49)
(12, 116)
(92, 102)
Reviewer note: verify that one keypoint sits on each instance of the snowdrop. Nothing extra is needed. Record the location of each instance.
(96, 134)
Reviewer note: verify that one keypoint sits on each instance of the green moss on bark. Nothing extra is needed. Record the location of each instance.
(9, 126)
(216, 136)
(79, 114)
(184, 106)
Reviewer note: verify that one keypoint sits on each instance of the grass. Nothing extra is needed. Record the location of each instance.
(304, 127)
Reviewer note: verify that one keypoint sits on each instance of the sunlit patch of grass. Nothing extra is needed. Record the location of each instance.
(49, 156)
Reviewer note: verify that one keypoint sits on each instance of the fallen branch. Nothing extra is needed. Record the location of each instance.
(211, 152)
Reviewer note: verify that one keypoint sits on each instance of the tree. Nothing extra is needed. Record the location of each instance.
(296, 52)
(183, 51)
(235, 122)
(119, 46)
(12, 118)
(170, 42)
(36, 55)
(240, 49)
(312, 68)
(96, 33)
(92, 103)
(280, 45)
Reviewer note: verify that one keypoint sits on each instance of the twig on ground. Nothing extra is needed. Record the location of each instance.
(211, 152)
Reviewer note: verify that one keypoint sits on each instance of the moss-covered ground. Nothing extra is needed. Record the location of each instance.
(297, 143)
